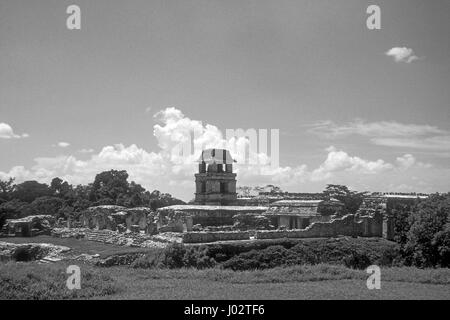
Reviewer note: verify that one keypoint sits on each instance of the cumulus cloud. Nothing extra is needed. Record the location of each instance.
(341, 161)
(7, 132)
(169, 169)
(139, 163)
(408, 161)
(402, 54)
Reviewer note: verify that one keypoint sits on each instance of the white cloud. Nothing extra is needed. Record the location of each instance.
(170, 171)
(7, 132)
(340, 161)
(402, 54)
(387, 133)
(408, 160)
(329, 129)
(86, 150)
(63, 144)
(437, 143)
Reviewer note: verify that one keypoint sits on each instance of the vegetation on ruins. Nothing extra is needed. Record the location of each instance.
(352, 200)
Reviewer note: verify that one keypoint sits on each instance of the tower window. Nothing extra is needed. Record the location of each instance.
(223, 187)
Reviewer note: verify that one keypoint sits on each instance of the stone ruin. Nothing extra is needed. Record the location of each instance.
(139, 219)
(217, 215)
(142, 227)
(117, 218)
(245, 222)
(44, 252)
(29, 226)
(173, 221)
(349, 225)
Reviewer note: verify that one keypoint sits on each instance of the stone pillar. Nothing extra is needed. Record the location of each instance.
(388, 228)
(283, 221)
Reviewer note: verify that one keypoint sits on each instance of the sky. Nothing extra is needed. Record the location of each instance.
(365, 108)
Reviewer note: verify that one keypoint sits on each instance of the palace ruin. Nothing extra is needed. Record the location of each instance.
(218, 214)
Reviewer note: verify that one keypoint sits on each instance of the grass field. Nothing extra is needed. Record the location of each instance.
(32, 280)
(37, 281)
(300, 282)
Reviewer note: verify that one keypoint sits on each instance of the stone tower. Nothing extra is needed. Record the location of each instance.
(215, 181)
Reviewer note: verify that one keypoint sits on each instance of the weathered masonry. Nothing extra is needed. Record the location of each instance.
(298, 214)
(215, 181)
(213, 215)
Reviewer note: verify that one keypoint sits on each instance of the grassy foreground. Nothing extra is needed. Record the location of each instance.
(38, 281)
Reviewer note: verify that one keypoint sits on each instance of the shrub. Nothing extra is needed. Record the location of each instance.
(176, 256)
(357, 260)
(198, 257)
(153, 259)
(268, 258)
(354, 253)
(173, 256)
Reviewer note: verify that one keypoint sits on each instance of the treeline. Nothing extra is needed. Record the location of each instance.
(64, 200)
(422, 228)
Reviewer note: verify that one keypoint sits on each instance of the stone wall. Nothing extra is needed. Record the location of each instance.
(118, 218)
(213, 215)
(349, 225)
(29, 226)
(173, 221)
(244, 222)
(201, 237)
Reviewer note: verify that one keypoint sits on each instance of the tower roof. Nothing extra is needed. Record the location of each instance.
(217, 156)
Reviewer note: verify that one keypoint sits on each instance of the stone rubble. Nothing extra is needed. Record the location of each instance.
(45, 252)
(132, 239)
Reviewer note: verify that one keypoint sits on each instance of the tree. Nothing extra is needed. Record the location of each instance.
(273, 189)
(109, 185)
(30, 190)
(400, 212)
(429, 232)
(15, 209)
(441, 241)
(60, 188)
(61, 199)
(6, 188)
(352, 200)
(47, 205)
(159, 200)
(136, 195)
